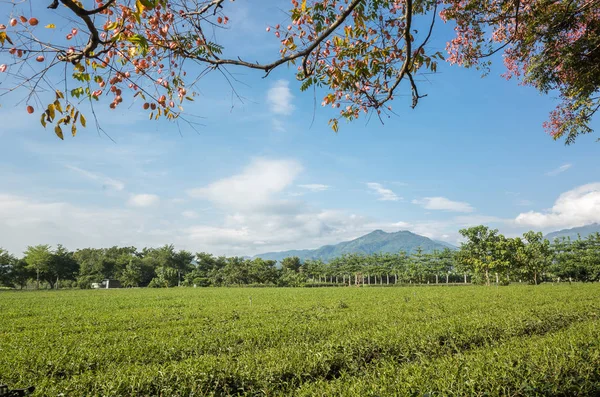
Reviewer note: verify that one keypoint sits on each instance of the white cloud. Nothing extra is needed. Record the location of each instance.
(104, 180)
(444, 204)
(143, 200)
(279, 98)
(189, 214)
(384, 194)
(315, 187)
(559, 170)
(250, 212)
(576, 207)
(279, 226)
(253, 187)
(25, 221)
(258, 218)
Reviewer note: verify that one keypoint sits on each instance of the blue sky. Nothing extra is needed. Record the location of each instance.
(261, 175)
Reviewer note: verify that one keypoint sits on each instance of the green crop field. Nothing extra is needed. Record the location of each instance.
(419, 341)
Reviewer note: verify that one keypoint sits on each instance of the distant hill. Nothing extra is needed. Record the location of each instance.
(374, 242)
(584, 231)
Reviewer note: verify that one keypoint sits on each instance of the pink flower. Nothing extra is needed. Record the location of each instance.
(3, 68)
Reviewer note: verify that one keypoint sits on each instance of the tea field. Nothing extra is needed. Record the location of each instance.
(417, 341)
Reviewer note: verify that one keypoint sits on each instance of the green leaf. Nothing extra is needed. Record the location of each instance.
(141, 42)
(306, 84)
(148, 3)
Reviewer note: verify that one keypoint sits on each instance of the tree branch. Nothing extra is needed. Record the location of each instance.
(304, 53)
(94, 35)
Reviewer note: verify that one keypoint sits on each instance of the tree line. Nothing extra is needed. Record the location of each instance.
(486, 257)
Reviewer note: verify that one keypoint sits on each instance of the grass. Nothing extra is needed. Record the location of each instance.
(463, 341)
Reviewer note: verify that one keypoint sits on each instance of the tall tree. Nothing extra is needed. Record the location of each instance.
(62, 266)
(291, 263)
(484, 252)
(133, 274)
(38, 259)
(7, 264)
(591, 257)
(535, 256)
(21, 273)
(92, 266)
(182, 262)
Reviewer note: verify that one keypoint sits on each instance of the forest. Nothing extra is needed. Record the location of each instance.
(486, 257)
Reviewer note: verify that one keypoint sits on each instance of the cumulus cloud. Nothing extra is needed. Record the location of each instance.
(443, 204)
(559, 170)
(243, 231)
(384, 194)
(576, 207)
(315, 187)
(25, 221)
(259, 218)
(250, 212)
(252, 188)
(279, 98)
(143, 200)
(106, 182)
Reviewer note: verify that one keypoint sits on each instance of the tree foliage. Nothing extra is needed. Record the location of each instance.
(485, 257)
(360, 52)
(38, 260)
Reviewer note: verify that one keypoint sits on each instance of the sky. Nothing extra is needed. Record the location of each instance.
(266, 173)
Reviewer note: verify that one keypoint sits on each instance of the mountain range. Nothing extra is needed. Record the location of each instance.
(582, 231)
(377, 241)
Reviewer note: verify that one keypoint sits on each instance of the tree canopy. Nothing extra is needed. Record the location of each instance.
(359, 52)
(486, 257)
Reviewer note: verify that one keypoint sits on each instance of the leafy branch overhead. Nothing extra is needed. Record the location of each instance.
(358, 52)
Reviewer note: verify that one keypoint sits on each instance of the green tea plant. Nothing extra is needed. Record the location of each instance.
(516, 340)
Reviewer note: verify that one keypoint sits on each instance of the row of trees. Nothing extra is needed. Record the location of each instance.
(488, 254)
(486, 257)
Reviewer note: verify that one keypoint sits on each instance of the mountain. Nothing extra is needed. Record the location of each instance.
(374, 242)
(583, 231)
(447, 245)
